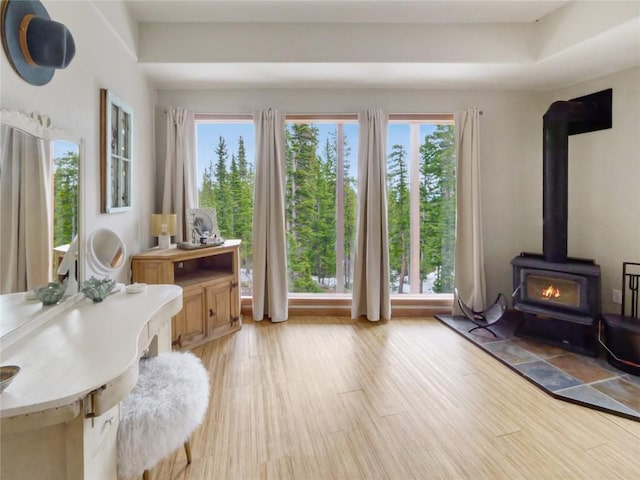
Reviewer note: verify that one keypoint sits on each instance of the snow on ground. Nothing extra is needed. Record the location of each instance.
(330, 283)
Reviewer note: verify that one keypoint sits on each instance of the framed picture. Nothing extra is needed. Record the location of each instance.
(116, 153)
(202, 223)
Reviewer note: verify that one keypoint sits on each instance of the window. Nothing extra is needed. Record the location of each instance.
(321, 154)
(321, 196)
(225, 155)
(421, 203)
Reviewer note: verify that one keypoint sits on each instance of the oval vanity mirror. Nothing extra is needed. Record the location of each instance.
(106, 251)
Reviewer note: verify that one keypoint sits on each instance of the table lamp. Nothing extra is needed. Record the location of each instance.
(163, 225)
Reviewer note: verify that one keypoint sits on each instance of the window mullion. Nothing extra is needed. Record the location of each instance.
(340, 208)
(414, 210)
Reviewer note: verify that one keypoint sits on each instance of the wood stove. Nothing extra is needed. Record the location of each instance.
(559, 296)
(560, 302)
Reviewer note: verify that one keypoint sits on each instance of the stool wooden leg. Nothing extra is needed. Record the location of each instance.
(146, 475)
(187, 450)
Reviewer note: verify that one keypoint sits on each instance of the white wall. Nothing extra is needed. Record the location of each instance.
(71, 99)
(511, 149)
(604, 183)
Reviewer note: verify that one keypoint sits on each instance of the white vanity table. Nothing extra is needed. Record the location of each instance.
(78, 361)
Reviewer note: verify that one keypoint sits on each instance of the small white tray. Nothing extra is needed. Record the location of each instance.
(136, 288)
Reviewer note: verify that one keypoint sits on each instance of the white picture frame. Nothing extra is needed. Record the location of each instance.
(116, 153)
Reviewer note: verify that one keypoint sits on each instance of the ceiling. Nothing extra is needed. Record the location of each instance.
(345, 11)
(516, 45)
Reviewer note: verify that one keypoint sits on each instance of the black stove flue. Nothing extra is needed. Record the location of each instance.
(564, 118)
(560, 296)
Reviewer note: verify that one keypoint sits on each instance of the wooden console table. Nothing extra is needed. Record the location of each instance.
(78, 360)
(209, 277)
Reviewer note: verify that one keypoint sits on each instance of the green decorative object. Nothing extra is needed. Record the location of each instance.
(51, 293)
(96, 289)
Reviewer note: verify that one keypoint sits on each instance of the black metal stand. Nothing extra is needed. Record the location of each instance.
(484, 327)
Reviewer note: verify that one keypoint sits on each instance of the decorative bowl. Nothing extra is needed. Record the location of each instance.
(96, 289)
(51, 293)
(7, 374)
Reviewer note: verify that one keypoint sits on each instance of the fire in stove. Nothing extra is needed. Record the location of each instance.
(551, 292)
(557, 288)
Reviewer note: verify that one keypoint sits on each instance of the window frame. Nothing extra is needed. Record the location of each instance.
(338, 304)
(414, 120)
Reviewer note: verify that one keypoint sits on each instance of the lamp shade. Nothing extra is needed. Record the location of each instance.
(163, 224)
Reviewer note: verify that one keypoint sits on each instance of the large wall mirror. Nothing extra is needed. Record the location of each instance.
(40, 202)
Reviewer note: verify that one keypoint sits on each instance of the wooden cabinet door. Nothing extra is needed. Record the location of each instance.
(221, 309)
(190, 326)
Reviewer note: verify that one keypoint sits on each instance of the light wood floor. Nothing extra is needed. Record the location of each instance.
(330, 398)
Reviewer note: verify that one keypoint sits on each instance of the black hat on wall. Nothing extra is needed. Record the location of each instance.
(35, 45)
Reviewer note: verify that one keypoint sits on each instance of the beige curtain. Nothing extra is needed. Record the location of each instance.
(180, 190)
(25, 211)
(469, 275)
(371, 295)
(269, 241)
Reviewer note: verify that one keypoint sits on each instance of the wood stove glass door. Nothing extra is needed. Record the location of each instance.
(551, 289)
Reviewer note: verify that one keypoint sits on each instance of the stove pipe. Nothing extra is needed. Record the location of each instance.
(564, 118)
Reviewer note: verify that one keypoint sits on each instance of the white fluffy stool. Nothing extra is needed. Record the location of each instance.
(167, 404)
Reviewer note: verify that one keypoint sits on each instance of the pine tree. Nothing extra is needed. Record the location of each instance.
(325, 249)
(350, 206)
(222, 190)
(242, 159)
(65, 187)
(437, 200)
(235, 193)
(244, 199)
(302, 166)
(205, 195)
(230, 192)
(399, 216)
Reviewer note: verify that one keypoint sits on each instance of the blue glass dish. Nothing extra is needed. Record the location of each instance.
(51, 293)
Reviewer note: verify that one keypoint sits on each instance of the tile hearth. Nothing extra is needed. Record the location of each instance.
(575, 378)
